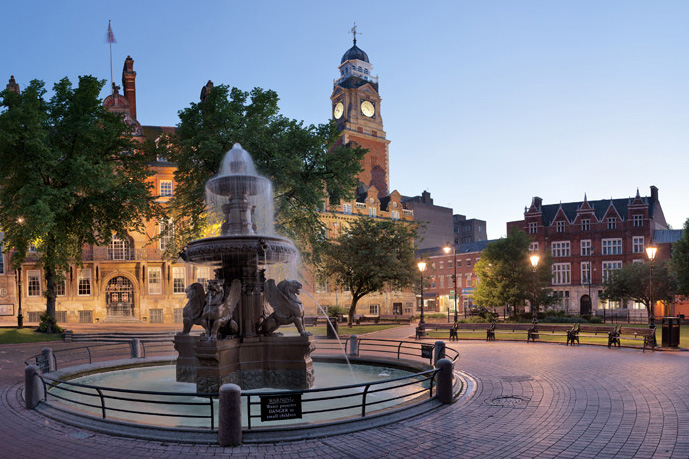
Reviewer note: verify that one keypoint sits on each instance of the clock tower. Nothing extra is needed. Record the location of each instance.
(356, 110)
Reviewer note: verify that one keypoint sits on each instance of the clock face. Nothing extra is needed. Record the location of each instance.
(368, 109)
(338, 110)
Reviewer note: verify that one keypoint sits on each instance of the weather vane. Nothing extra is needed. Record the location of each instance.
(354, 32)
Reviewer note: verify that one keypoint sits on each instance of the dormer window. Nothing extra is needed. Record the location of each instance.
(586, 224)
(612, 223)
(560, 226)
(638, 220)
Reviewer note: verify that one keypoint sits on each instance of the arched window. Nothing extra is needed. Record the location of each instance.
(119, 249)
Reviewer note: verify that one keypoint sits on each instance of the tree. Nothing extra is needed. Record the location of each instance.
(632, 282)
(505, 274)
(679, 264)
(369, 256)
(301, 161)
(70, 176)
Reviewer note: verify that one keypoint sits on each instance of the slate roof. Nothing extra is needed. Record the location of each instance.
(599, 207)
(666, 236)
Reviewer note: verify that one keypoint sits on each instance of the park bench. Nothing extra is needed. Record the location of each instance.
(361, 318)
(566, 330)
(513, 329)
(644, 334)
(396, 318)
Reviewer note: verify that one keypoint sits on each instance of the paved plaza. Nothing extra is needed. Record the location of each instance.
(529, 400)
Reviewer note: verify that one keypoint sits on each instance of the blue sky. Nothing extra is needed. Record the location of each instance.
(486, 103)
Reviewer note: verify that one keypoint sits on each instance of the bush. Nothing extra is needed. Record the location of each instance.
(47, 321)
(596, 320)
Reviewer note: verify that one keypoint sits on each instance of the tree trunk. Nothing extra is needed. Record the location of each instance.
(50, 296)
(352, 310)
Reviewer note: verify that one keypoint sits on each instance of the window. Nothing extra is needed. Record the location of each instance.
(585, 273)
(178, 280)
(395, 215)
(612, 246)
(467, 284)
(155, 316)
(374, 309)
(585, 247)
(533, 247)
(372, 212)
(119, 249)
(612, 223)
(203, 273)
(586, 224)
(560, 227)
(560, 249)
(61, 286)
(609, 267)
(533, 228)
(441, 264)
(86, 317)
(155, 281)
(563, 300)
(166, 231)
(2, 260)
(638, 220)
(84, 282)
(562, 274)
(321, 284)
(33, 287)
(346, 208)
(468, 261)
(442, 281)
(178, 315)
(638, 244)
(165, 188)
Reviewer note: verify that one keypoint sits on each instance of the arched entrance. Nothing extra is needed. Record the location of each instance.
(585, 305)
(119, 294)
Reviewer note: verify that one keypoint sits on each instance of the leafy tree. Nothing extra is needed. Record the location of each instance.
(301, 161)
(505, 274)
(70, 176)
(632, 282)
(370, 255)
(679, 264)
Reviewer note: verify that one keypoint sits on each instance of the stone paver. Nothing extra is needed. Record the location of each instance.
(531, 400)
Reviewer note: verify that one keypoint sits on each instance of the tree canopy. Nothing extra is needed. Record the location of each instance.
(302, 161)
(70, 175)
(506, 276)
(680, 262)
(369, 256)
(633, 280)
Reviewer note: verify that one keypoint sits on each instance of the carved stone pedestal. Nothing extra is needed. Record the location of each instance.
(278, 362)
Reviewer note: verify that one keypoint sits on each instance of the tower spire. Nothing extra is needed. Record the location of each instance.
(354, 32)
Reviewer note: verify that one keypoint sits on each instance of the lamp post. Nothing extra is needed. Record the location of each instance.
(422, 321)
(534, 262)
(447, 249)
(20, 317)
(651, 252)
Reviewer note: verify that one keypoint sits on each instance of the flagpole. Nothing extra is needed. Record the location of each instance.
(112, 80)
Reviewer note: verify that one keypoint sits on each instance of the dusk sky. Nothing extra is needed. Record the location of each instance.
(486, 103)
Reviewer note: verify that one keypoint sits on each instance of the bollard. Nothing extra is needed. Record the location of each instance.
(444, 381)
(354, 345)
(230, 415)
(136, 348)
(49, 359)
(439, 352)
(33, 387)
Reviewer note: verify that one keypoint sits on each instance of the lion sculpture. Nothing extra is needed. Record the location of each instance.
(192, 314)
(287, 308)
(217, 314)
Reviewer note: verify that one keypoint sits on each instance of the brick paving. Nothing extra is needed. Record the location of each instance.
(531, 400)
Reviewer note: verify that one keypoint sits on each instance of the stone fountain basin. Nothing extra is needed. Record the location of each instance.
(231, 185)
(215, 250)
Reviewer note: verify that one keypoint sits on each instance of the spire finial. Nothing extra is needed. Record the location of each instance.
(354, 32)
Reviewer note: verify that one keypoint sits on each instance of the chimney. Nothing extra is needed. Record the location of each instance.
(537, 202)
(12, 85)
(654, 193)
(129, 85)
(426, 197)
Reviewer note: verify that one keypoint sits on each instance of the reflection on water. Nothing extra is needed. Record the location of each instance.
(162, 378)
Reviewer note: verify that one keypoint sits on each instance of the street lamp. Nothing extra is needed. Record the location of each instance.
(20, 317)
(534, 262)
(422, 322)
(447, 249)
(651, 252)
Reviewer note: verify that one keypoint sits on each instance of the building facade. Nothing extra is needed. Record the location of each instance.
(469, 230)
(588, 240)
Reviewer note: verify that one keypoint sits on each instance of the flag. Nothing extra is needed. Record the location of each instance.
(111, 36)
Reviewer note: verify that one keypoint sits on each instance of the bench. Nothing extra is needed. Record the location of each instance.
(359, 318)
(512, 328)
(568, 331)
(396, 318)
(645, 334)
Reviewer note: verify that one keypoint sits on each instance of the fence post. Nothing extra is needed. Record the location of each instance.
(33, 387)
(354, 345)
(439, 351)
(444, 381)
(136, 348)
(49, 358)
(230, 415)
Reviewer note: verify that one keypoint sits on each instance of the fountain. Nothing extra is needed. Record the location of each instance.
(241, 310)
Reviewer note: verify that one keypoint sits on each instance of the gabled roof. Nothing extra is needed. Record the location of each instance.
(600, 208)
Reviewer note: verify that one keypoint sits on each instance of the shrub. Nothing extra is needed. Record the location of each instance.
(596, 320)
(46, 321)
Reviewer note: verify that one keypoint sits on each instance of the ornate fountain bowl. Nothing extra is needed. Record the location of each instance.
(231, 185)
(216, 250)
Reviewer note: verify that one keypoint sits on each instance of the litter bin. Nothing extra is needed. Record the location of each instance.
(332, 328)
(670, 331)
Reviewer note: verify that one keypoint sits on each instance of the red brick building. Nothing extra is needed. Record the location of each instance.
(589, 239)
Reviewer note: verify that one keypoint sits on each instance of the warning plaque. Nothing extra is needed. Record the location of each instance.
(275, 408)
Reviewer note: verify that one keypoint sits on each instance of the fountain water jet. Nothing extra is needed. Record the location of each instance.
(241, 309)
